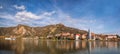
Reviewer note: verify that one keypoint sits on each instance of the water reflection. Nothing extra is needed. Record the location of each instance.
(57, 47)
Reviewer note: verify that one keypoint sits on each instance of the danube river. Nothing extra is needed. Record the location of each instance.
(30, 46)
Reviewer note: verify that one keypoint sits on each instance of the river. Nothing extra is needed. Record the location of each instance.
(30, 46)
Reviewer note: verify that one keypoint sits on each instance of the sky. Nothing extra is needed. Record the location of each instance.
(100, 16)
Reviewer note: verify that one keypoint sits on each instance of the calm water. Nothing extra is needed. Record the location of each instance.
(58, 47)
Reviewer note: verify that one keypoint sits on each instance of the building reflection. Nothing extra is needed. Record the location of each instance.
(54, 47)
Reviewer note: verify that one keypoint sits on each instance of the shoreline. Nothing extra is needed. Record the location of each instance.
(29, 38)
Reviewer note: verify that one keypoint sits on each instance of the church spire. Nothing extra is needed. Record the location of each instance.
(89, 34)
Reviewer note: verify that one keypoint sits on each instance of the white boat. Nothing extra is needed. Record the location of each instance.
(10, 38)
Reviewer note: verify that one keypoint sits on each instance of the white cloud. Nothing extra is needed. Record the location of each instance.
(49, 13)
(25, 15)
(1, 7)
(22, 7)
(6, 15)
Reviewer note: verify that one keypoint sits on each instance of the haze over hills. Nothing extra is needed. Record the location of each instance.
(27, 31)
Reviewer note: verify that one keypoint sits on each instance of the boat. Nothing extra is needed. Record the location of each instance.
(10, 38)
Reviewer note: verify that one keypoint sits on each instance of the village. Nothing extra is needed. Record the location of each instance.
(86, 36)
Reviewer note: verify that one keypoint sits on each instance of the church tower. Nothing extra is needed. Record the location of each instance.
(89, 35)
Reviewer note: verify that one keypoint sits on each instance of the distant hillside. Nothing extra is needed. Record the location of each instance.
(27, 31)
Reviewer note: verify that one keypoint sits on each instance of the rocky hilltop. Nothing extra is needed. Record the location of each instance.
(27, 31)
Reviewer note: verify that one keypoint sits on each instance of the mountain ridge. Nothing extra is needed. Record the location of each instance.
(27, 31)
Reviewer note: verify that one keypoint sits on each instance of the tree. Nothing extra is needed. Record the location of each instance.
(118, 36)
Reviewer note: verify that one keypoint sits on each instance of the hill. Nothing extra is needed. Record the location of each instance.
(27, 31)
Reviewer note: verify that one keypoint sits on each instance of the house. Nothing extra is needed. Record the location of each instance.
(77, 36)
(112, 37)
(106, 37)
(71, 37)
(50, 36)
(58, 36)
(93, 36)
(65, 35)
(84, 36)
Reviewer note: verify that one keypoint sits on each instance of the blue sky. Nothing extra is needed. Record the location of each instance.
(101, 16)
